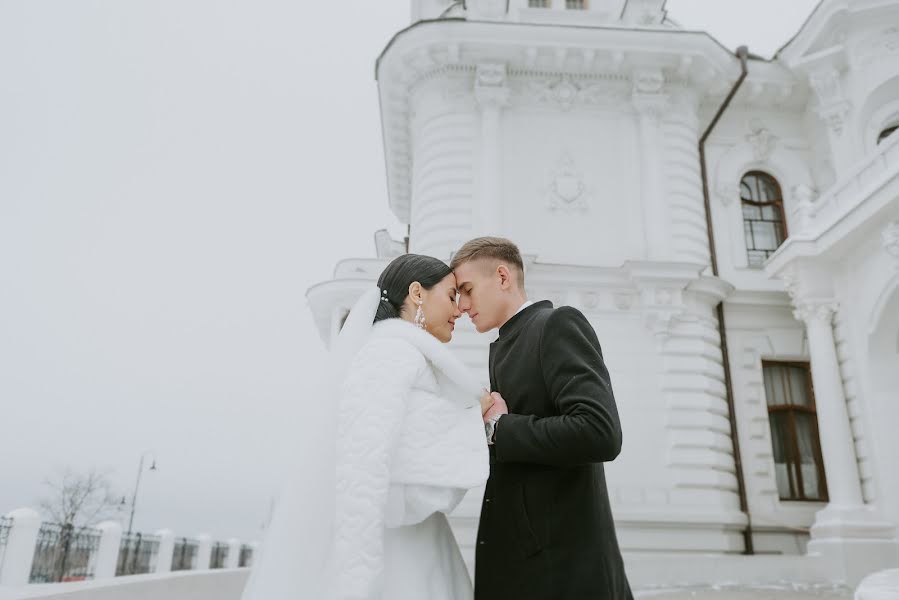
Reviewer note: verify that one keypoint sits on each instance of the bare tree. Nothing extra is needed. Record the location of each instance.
(80, 499)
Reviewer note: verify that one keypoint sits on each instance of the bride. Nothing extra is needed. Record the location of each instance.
(390, 446)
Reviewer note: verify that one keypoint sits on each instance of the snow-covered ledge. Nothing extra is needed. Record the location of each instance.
(220, 584)
(883, 585)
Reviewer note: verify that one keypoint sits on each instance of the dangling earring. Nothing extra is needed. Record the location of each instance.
(419, 316)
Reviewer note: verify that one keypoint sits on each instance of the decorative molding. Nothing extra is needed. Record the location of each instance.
(490, 85)
(567, 190)
(833, 107)
(814, 310)
(804, 197)
(566, 91)
(761, 140)
(649, 95)
(662, 307)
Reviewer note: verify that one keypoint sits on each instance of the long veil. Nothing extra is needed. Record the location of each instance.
(292, 563)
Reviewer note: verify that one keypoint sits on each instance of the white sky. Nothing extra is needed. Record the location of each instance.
(174, 174)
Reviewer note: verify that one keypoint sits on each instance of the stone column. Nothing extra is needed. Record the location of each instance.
(15, 569)
(650, 102)
(166, 550)
(853, 538)
(837, 446)
(204, 552)
(233, 554)
(108, 549)
(492, 95)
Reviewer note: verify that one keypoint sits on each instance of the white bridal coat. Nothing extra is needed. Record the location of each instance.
(362, 516)
(410, 443)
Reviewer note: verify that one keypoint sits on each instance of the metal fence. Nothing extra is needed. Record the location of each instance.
(219, 556)
(5, 526)
(246, 556)
(64, 553)
(138, 554)
(185, 554)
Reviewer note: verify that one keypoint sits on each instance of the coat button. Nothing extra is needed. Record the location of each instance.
(486, 499)
(481, 543)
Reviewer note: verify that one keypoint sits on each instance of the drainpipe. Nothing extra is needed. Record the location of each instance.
(743, 55)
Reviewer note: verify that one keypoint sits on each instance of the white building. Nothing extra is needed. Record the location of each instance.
(574, 128)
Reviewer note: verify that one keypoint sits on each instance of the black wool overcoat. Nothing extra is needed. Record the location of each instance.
(546, 529)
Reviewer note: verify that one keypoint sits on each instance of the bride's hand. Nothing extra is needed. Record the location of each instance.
(486, 402)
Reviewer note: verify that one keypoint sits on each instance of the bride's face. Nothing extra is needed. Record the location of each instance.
(440, 308)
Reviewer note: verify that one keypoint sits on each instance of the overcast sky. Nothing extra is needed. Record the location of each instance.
(174, 174)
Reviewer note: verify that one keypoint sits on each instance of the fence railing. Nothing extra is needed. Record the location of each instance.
(185, 555)
(32, 551)
(64, 553)
(219, 556)
(138, 554)
(246, 556)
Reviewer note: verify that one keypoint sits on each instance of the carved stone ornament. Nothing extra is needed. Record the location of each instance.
(490, 85)
(809, 311)
(804, 197)
(832, 104)
(566, 92)
(567, 190)
(648, 94)
(761, 140)
(491, 74)
(649, 81)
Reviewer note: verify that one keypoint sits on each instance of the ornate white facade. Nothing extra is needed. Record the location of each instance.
(575, 132)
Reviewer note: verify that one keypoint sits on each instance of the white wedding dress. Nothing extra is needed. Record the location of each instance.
(364, 518)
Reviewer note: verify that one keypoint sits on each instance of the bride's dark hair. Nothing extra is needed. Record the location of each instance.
(399, 275)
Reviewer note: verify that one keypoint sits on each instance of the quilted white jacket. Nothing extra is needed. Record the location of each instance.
(410, 442)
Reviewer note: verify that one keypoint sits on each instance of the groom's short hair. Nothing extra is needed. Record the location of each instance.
(492, 248)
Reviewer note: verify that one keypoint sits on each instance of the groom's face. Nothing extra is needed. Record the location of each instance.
(479, 293)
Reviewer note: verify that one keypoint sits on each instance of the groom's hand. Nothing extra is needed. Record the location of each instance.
(499, 407)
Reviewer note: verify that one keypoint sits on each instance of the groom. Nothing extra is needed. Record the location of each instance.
(546, 529)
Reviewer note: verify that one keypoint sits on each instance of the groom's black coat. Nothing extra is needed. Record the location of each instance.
(546, 529)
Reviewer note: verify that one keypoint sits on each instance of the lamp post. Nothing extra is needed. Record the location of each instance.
(140, 471)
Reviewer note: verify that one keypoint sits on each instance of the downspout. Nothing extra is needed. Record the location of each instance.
(743, 55)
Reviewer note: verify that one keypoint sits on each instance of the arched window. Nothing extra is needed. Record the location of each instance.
(763, 216)
(576, 4)
(538, 4)
(886, 133)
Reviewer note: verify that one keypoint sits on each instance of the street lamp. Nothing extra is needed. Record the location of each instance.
(140, 471)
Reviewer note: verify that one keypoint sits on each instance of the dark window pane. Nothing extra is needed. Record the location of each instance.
(798, 386)
(780, 436)
(773, 376)
(751, 212)
(745, 190)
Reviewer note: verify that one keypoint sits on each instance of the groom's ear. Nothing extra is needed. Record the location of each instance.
(505, 277)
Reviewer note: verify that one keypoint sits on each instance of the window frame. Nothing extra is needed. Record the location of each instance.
(792, 443)
(779, 206)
